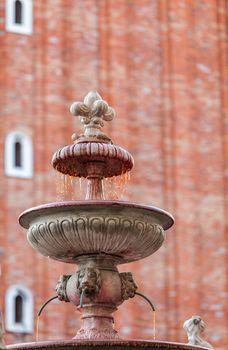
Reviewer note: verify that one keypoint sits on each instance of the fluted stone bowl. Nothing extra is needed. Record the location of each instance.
(65, 230)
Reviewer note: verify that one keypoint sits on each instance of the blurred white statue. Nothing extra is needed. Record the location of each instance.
(194, 327)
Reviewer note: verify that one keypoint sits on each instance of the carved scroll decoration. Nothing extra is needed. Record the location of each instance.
(66, 238)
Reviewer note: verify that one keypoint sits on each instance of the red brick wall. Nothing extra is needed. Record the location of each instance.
(163, 66)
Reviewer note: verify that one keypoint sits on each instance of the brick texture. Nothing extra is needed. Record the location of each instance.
(163, 66)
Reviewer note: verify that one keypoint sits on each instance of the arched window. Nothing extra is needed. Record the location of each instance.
(18, 155)
(18, 12)
(19, 16)
(19, 310)
(18, 316)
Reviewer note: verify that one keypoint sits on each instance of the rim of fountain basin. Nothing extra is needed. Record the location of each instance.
(131, 344)
(166, 219)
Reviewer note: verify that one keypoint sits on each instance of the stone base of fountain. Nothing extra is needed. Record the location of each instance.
(104, 345)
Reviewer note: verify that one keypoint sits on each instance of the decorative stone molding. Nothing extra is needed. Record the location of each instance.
(82, 235)
(97, 334)
(115, 159)
(194, 327)
(128, 285)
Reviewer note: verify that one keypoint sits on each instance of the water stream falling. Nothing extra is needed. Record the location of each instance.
(154, 325)
(74, 188)
(37, 328)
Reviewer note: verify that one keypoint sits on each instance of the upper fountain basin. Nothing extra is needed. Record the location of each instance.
(65, 230)
(108, 160)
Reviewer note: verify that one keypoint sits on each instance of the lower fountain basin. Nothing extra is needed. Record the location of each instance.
(104, 345)
(65, 230)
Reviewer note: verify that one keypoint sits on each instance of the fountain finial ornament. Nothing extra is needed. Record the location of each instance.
(92, 112)
(194, 327)
(93, 155)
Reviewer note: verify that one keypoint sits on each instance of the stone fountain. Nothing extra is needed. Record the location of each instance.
(96, 234)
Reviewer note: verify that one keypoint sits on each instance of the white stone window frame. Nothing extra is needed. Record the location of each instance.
(26, 27)
(27, 324)
(26, 168)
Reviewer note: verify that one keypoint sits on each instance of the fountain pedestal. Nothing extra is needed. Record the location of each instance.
(96, 289)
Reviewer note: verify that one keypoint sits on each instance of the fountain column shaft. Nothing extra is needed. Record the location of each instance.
(97, 322)
(95, 170)
(94, 189)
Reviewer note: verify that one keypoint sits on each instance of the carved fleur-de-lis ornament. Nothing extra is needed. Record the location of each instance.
(92, 112)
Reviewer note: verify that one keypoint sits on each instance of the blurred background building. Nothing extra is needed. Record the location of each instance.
(162, 64)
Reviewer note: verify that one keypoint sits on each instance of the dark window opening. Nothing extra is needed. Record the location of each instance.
(17, 154)
(18, 12)
(18, 309)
